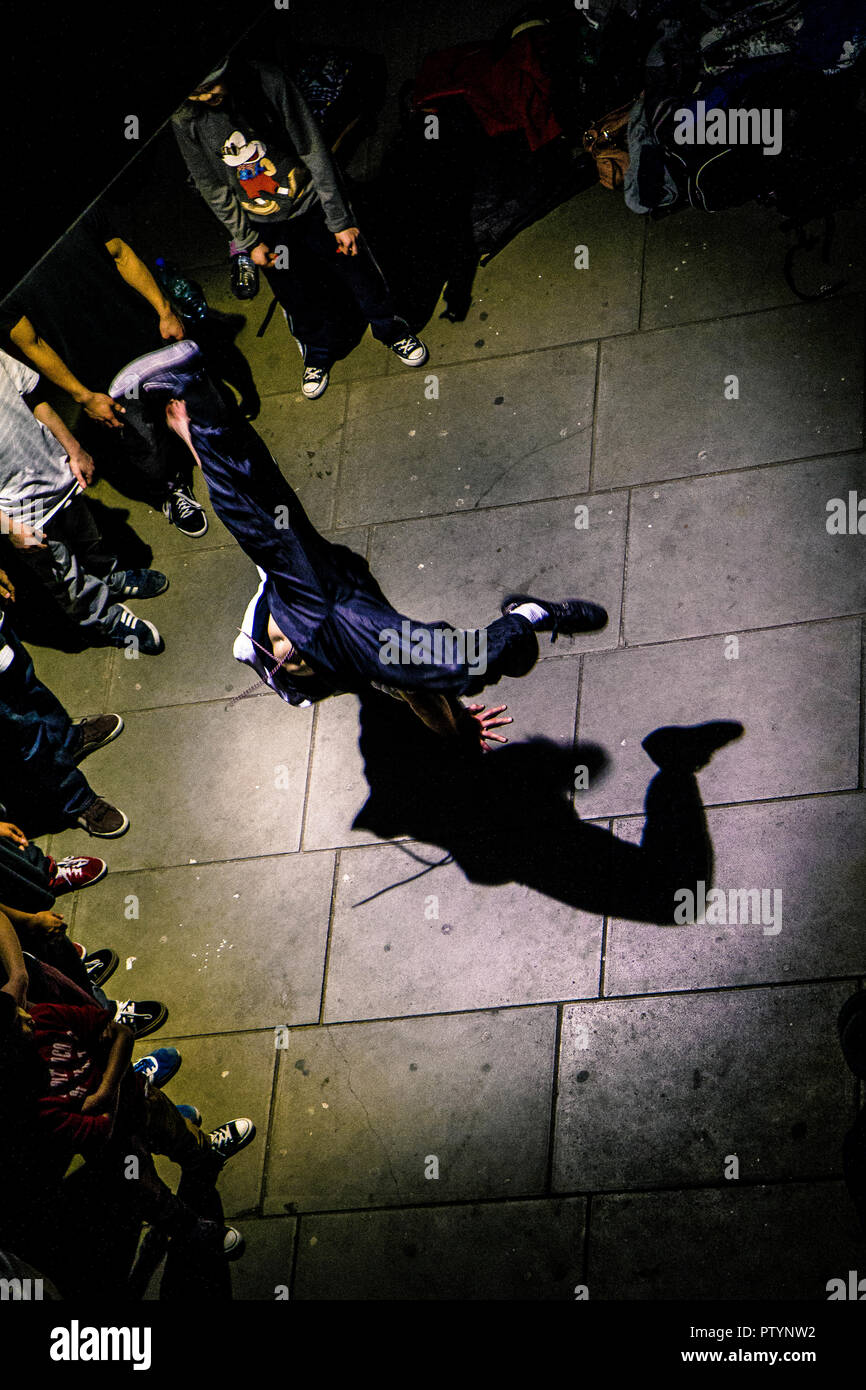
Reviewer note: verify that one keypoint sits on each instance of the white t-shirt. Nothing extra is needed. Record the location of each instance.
(35, 477)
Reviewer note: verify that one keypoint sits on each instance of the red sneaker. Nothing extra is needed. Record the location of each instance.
(76, 872)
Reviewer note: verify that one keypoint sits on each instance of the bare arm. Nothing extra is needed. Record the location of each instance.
(136, 274)
(97, 404)
(79, 460)
(104, 1099)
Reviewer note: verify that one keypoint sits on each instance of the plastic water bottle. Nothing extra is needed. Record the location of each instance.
(183, 292)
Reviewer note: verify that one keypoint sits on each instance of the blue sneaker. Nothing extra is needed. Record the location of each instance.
(160, 1066)
(137, 583)
(190, 1112)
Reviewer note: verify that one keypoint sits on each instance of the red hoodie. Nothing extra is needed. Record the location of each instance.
(67, 1039)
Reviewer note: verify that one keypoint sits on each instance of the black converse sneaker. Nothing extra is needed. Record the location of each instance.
(182, 511)
(570, 615)
(315, 382)
(410, 350)
(231, 1137)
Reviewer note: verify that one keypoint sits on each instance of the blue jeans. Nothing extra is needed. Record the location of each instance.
(40, 786)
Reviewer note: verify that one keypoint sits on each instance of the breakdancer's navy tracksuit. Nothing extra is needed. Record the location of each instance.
(323, 596)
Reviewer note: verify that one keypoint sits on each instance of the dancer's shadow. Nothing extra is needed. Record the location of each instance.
(507, 816)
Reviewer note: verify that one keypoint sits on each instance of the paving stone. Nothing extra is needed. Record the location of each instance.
(795, 690)
(737, 1242)
(780, 846)
(508, 1250)
(531, 295)
(224, 946)
(511, 430)
(197, 664)
(228, 1076)
(78, 679)
(489, 946)
(700, 267)
(361, 1108)
(460, 568)
(542, 704)
(304, 438)
(265, 1271)
(723, 554)
(662, 412)
(693, 1079)
(152, 528)
(208, 787)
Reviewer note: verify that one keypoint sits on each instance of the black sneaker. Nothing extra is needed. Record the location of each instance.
(244, 276)
(689, 747)
(571, 615)
(315, 382)
(185, 513)
(141, 1016)
(231, 1137)
(410, 350)
(96, 731)
(137, 583)
(101, 965)
(128, 625)
(103, 820)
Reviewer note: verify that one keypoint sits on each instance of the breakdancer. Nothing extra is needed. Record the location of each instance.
(319, 623)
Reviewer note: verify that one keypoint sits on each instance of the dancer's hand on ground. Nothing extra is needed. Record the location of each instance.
(170, 326)
(347, 241)
(488, 719)
(101, 407)
(8, 831)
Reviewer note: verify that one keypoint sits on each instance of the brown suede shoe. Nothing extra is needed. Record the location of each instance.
(96, 731)
(104, 820)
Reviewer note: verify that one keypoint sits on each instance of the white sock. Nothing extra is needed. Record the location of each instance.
(532, 612)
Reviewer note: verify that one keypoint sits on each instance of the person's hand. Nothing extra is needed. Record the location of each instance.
(99, 406)
(51, 923)
(82, 466)
(488, 719)
(102, 1101)
(23, 538)
(170, 326)
(261, 255)
(8, 831)
(7, 594)
(347, 241)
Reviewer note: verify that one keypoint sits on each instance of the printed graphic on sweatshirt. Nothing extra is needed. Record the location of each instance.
(256, 174)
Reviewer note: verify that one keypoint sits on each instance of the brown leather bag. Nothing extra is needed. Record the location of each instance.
(607, 142)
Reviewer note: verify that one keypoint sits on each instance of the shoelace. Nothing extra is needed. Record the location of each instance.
(314, 374)
(404, 344)
(220, 1137)
(185, 505)
(72, 866)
